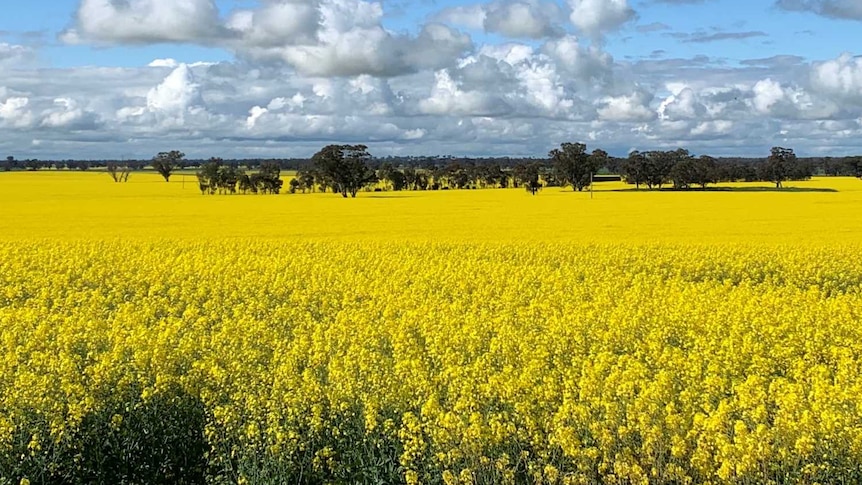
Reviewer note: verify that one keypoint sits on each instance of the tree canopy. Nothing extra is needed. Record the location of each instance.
(166, 162)
(573, 166)
(345, 168)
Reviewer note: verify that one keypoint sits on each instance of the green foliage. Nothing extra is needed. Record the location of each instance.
(658, 166)
(573, 166)
(166, 162)
(684, 170)
(128, 440)
(634, 169)
(344, 168)
(527, 176)
(782, 165)
(302, 182)
(391, 176)
(216, 176)
(855, 165)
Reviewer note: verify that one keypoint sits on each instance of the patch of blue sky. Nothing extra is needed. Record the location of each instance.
(727, 32)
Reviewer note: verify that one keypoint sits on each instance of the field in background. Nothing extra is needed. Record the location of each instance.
(89, 205)
(149, 334)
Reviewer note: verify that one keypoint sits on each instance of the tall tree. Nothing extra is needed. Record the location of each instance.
(598, 159)
(705, 171)
(572, 165)
(166, 162)
(208, 175)
(778, 166)
(268, 178)
(684, 171)
(634, 169)
(304, 181)
(345, 167)
(659, 165)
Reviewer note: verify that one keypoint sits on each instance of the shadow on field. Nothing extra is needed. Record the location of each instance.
(733, 189)
(126, 441)
(389, 196)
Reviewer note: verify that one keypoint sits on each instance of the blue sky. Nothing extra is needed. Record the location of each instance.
(794, 33)
(637, 74)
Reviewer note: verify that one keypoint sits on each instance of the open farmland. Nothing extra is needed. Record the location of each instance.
(148, 333)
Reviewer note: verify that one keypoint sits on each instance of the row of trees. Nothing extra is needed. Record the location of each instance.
(734, 168)
(658, 168)
(216, 176)
(346, 169)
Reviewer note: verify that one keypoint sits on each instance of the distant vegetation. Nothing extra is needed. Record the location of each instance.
(347, 169)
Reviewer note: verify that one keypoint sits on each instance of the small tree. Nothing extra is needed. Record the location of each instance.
(531, 182)
(305, 179)
(778, 166)
(345, 168)
(166, 162)
(228, 178)
(520, 175)
(573, 166)
(392, 177)
(208, 176)
(117, 172)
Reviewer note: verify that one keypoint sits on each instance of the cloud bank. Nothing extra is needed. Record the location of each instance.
(306, 73)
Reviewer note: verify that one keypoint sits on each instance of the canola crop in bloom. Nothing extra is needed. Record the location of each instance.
(151, 334)
(440, 362)
(86, 206)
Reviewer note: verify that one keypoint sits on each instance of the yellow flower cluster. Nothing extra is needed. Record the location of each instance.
(456, 363)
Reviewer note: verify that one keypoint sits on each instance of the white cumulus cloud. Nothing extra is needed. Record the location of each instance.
(143, 21)
(447, 98)
(14, 112)
(839, 78)
(626, 108)
(512, 18)
(595, 17)
(176, 94)
(12, 55)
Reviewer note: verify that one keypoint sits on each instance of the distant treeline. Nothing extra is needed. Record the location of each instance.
(739, 168)
(346, 169)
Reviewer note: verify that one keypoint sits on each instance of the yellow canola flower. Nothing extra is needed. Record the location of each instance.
(678, 356)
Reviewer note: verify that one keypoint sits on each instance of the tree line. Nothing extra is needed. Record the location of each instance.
(655, 169)
(347, 169)
(735, 168)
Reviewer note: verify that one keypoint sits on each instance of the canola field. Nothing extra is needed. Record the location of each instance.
(149, 334)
